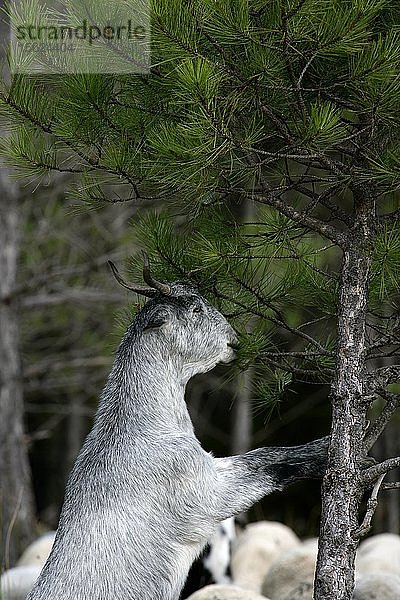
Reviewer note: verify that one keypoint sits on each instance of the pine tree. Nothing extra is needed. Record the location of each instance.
(291, 106)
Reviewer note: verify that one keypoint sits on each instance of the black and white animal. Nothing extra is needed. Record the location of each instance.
(144, 497)
(214, 563)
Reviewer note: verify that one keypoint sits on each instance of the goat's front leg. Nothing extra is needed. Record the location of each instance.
(242, 480)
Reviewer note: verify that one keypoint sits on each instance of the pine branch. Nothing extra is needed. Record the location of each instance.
(312, 158)
(313, 321)
(372, 505)
(297, 371)
(391, 486)
(296, 84)
(297, 354)
(54, 167)
(281, 323)
(106, 118)
(279, 320)
(305, 68)
(278, 122)
(287, 154)
(326, 200)
(389, 354)
(292, 13)
(386, 339)
(339, 100)
(382, 377)
(386, 415)
(47, 128)
(330, 276)
(390, 217)
(369, 475)
(25, 114)
(351, 137)
(325, 230)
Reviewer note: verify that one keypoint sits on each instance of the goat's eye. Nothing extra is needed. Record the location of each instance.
(197, 309)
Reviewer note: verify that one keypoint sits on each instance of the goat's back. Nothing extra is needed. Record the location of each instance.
(128, 529)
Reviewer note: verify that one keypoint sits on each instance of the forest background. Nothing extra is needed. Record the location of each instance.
(260, 150)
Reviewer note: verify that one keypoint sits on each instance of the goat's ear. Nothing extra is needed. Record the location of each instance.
(156, 321)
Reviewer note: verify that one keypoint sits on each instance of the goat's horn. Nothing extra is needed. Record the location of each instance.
(144, 291)
(157, 285)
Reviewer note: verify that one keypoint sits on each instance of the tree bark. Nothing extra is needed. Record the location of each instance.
(17, 522)
(341, 490)
(242, 424)
(242, 429)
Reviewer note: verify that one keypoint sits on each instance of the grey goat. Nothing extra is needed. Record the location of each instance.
(144, 497)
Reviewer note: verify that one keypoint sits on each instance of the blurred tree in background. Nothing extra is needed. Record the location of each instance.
(270, 129)
(66, 303)
(61, 348)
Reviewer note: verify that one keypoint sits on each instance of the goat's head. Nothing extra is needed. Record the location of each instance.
(181, 324)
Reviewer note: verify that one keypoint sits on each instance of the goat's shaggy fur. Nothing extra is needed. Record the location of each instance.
(144, 497)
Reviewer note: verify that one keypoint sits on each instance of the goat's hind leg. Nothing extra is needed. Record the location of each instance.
(244, 479)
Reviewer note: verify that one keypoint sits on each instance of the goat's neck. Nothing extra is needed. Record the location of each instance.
(144, 393)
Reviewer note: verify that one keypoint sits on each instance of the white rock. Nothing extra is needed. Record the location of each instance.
(277, 533)
(303, 591)
(377, 586)
(379, 553)
(255, 551)
(225, 592)
(311, 543)
(17, 582)
(292, 573)
(38, 552)
(250, 563)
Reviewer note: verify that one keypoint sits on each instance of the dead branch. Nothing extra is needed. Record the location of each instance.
(382, 377)
(372, 505)
(378, 426)
(391, 486)
(371, 474)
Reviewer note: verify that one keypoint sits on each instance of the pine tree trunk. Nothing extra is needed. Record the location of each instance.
(16, 498)
(242, 424)
(341, 492)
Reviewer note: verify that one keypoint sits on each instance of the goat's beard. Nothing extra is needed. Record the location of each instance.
(231, 355)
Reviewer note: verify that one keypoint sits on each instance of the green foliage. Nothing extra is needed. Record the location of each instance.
(256, 125)
(198, 80)
(343, 28)
(269, 393)
(386, 168)
(375, 81)
(325, 125)
(267, 277)
(220, 63)
(385, 284)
